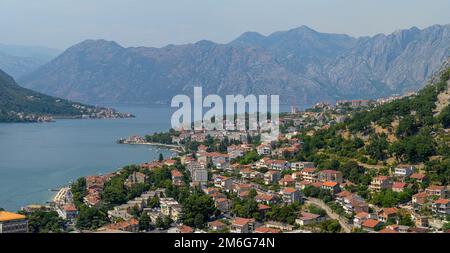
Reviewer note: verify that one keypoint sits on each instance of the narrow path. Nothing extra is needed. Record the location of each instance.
(345, 226)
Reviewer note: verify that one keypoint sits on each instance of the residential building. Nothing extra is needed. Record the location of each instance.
(333, 187)
(438, 191)
(280, 165)
(330, 175)
(418, 177)
(398, 186)
(441, 208)
(404, 171)
(291, 195)
(351, 203)
(177, 178)
(387, 214)
(305, 219)
(68, 212)
(267, 230)
(419, 199)
(287, 181)
(242, 225)
(310, 174)
(13, 223)
(371, 225)
(217, 225)
(264, 149)
(131, 226)
(170, 208)
(135, 178)
(198, 172)
(301, 165)
(223, 204)
(272, 177)
(224, 183)
(380, 183)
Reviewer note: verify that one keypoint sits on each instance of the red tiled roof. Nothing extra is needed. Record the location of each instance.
(216, 223)
(344, 194)
(362, 215)
(309, 170)
(330, 184)
(185, 229)
(370, 223)
(398, 185)
(262, 207)
(388, 231)
(267, 230)
(390, 211)
(436, 187)
(242, 221)
(176, 173)
(442, 201)
(70, 208)
(289, 190)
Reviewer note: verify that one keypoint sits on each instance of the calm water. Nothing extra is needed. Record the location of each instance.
(37, 157)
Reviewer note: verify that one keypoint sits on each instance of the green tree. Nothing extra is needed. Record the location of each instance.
(91, 218)
(330, 226)
(197, 209)
(45, 222)
(144, 222)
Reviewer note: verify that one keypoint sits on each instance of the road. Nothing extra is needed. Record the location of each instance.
(347, 227)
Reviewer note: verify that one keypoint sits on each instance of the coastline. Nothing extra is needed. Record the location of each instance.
(171, 147)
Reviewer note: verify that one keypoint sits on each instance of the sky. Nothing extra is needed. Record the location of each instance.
(62, 23)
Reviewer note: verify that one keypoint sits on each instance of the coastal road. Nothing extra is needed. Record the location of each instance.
(347, 227)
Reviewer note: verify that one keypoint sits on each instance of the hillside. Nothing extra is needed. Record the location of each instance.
(413, 130)
(18, 104)
(301, 65)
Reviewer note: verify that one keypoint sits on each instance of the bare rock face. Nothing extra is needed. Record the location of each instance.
(300, 64)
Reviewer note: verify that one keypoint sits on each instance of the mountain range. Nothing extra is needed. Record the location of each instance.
(301, 65)
(19, 60)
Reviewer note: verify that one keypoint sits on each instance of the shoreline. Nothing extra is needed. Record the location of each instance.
(171, 147)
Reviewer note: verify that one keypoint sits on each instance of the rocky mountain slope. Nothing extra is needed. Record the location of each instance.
(300, 65)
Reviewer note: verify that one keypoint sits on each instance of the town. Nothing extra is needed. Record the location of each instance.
(232, 182)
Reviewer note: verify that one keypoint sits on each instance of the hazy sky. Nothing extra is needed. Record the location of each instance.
(62, 23)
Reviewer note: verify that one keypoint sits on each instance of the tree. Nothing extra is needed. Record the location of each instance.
(330, 226)
(197, 209)
(154, 202)
(45, 222)
(444, 117)
(144, 222)
(91, 218)
(78, 189)
(377, 147)
(161, 157)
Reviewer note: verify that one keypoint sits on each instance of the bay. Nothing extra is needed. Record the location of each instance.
(41, 156)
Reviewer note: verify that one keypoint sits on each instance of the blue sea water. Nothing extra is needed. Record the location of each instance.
(41, 156)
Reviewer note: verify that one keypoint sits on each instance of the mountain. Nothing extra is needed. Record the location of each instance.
(18, 104)
(300, 65)
(21, 60)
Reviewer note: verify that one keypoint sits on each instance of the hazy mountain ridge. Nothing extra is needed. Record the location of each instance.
(21, 60)
(301, 62)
